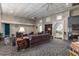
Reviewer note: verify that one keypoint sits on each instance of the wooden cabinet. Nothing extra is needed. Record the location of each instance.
(48, 28)
(22, 43)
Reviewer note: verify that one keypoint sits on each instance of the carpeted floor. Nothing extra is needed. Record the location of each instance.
(55, 47)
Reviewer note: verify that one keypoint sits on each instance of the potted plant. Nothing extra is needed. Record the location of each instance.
(1, 35)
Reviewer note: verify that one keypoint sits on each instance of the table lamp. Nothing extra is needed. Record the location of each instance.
(21, 30)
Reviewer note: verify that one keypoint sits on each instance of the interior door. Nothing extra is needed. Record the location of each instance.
(48, 28)
(7, 29)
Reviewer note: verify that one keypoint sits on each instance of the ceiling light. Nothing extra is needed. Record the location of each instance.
(32, 17)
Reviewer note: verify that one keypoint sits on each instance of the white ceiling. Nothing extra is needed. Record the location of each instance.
(30, 10)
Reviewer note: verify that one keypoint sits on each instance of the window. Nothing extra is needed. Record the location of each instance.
(59, 17)
(40, 28)
(48, 19)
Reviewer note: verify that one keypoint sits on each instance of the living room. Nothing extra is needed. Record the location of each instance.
(36, 28)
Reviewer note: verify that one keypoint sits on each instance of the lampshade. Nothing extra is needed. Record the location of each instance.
(22, 29)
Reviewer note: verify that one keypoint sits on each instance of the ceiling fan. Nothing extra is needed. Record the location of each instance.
(47, 5)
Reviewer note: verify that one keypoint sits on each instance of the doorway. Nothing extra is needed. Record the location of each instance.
(58, 29)
(48, 28)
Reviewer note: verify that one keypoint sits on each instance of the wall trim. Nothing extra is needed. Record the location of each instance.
(12, 22)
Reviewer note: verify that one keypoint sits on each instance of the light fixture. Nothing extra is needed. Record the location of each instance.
(41, 21)
(22, 30)
(32, 17)
(49, 28)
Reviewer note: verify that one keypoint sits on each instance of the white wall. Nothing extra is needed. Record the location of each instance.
(16, 19)
(0, 26)
(53, 18)
(75, 12)
(15, 27)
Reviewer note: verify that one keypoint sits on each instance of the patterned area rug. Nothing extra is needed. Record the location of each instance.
(55, 47)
